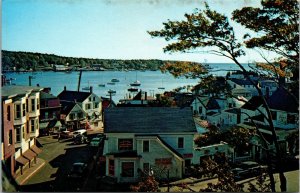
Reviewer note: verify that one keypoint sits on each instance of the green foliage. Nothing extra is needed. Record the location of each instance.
(38, 61)
(276, 24)
(277, 29)
(201, 29)
(187, 69)
(226, 182)
(261, 185)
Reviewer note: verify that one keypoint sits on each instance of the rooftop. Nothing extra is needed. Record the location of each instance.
(148, 120)
(13, 90)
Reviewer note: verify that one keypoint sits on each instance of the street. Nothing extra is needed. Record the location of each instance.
(59, 157)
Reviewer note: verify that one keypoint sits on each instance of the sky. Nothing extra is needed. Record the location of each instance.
(106, 29)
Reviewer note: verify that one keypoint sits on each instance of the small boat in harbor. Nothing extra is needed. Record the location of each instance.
(136, 83)
(115, 80)
(133, 89)
(162, 87)
(101, 85)
(111, 83)
(87, 87)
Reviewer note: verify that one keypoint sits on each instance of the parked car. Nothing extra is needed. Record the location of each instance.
(248, 169)
(79, 169)
(95, 141)
(65, 134)
(79, 132)
(79, 139)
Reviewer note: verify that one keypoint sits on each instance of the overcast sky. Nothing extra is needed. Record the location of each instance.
(110, 29)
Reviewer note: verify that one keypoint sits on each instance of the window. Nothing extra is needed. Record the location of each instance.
(27, 127)
(18, 134)
(187, 162)
(80, 115)
(90, 98)
(87, 106)
(27, 105)
(24, 109)
(146, 146)
(180, 142)
(37, 104)
(32, 105)
(111, 167)
(32, 125)
(127, 169)
(146, 167)
(71, 116)
(96, 105)
(274, 115)
(18, 111)
(8, 113)
(200, 110)
(46, 115)
(23, 132)
(10, 139)
(125, 144)
(291, 119)
(94, 98)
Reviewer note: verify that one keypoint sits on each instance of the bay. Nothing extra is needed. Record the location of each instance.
(150, 80)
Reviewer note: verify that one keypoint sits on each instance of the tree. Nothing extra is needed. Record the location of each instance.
(147, 184)
(212, 31)
(276, 25)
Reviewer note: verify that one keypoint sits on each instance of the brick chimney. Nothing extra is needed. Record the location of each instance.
(91, 89)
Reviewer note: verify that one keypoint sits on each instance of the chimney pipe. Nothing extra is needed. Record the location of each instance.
(65, 88)
(38, 85)
(91, 89)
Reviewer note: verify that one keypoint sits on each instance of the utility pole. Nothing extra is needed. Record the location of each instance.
(79, 80)
(30, 78)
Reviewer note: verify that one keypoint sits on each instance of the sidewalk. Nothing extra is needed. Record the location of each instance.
(21, 179)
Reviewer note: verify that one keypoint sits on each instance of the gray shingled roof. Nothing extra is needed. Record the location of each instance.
(11, 90)
(148, 120)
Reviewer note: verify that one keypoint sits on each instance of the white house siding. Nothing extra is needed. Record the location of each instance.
(282, 120)
(75, 111)
(156, 151)
(229, 118)
(210, 151)
(159, 151)
(197, 106)
(215, 119)
(246, 112)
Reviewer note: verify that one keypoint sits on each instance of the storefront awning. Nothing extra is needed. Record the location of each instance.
(44, 125)
(54, 123)
(35, 149)
(29, 154)
(22, 160)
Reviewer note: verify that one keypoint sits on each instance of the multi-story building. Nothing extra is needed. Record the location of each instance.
(140, 139)
(8, 134)
(23, 109)
(89, 103)
(49, 113)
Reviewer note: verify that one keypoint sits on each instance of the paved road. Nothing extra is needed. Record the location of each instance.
(59, 156)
